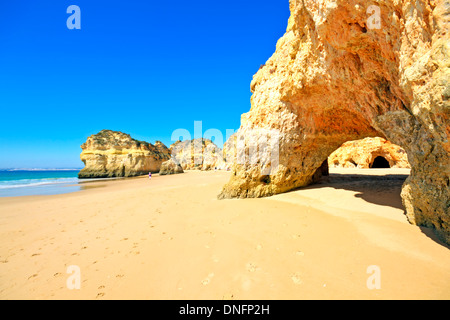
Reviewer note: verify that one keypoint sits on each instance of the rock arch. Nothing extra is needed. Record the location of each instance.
(334, 79)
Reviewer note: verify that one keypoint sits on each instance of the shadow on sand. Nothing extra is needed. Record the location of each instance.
(380, 189)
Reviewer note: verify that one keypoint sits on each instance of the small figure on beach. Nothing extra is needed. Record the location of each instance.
(149, 175)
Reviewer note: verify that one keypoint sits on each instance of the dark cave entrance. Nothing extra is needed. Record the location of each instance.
(380, 163)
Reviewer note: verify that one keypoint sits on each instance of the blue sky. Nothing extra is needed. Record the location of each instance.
(141, 67)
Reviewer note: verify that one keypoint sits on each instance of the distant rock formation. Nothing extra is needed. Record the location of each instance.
(348, 70)
(115, 154)
(364, 154)
(170, 167)
(198, 154)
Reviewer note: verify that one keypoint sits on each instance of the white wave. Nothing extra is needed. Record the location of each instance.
(23, 183)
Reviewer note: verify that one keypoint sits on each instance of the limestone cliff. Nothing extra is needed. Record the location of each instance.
(116, 154)
(364, 153)
(347, 70)
(198, 154)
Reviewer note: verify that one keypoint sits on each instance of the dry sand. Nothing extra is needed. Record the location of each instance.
(170, 238)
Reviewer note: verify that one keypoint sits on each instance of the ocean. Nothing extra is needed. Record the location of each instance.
(15, 182)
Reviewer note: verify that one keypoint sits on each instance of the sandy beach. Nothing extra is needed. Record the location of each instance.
(170, 238)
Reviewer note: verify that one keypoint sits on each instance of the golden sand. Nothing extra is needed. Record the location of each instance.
(170, 238)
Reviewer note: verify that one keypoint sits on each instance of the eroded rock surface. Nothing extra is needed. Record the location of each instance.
(115, 154)
(170, 167)
(198, 154)
(337, 77)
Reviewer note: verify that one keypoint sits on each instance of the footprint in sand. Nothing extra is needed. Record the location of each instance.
(296, 278)
(101, 287)
(251, 267)
(120, 276)
(101, 294)
(33, 276)
(35, 254)
(208, 279)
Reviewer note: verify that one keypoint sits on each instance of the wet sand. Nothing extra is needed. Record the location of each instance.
(170, 238)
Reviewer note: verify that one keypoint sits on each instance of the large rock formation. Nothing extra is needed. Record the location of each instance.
(346, 70)
(198, 154)
(365, 153)
(116, 154)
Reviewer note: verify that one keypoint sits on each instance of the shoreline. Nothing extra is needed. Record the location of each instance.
(81, 182)
(170, 238)
(51, 188)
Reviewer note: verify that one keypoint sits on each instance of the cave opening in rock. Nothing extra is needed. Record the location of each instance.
(380, 163)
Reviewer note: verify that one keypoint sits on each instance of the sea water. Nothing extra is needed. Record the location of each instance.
(16, 182)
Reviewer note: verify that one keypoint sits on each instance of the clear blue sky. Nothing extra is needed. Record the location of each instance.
(141, 67)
